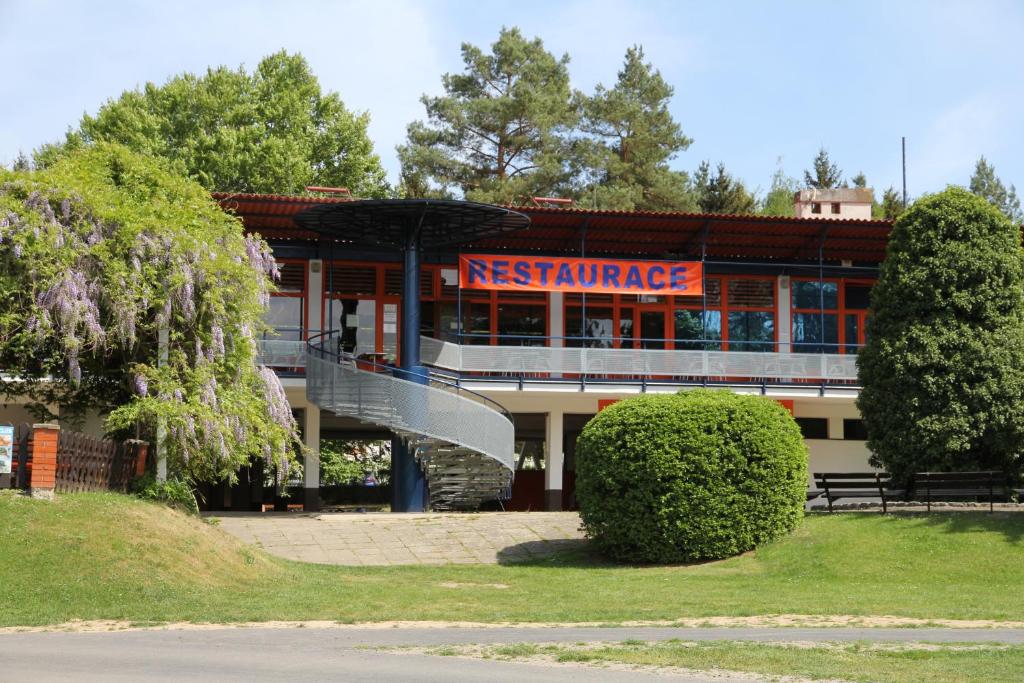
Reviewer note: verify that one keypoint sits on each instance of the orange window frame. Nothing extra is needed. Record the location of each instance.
(840, 311)
(304, 294)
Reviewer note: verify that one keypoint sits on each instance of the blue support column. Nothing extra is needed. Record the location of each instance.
(408, 483)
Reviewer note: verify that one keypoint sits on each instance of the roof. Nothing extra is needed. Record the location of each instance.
(622, 233)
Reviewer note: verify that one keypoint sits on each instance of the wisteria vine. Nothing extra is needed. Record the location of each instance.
(101, 252)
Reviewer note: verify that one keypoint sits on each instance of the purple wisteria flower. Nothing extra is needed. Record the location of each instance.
(141, 386)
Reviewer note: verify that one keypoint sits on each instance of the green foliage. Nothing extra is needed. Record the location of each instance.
(628, 138)
(273, 130)
(719, 192)
(943, 369)
(824, 175)
(986, 184)
(779, 201)
(100, 251)
(497, 134)
(890, 207)
(347, 462)
(694, 476)
(177, 493)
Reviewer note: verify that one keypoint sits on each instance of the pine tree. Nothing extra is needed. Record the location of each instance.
(943, 369)
(719, 192)
(629, 136)
(826, 174)
(498, 134)
(986, 184)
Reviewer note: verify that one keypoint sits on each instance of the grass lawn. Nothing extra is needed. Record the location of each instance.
(874, 663)
(105, 556)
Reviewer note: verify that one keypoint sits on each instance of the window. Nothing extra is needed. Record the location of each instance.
(813, 427)
(598, 331)
(518, 322)
(286, 312)
(751, 314)
(854, 430)
(815, 207)
(835, 207)
(829, 316)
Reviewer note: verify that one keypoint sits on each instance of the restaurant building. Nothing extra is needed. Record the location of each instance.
(527, 326)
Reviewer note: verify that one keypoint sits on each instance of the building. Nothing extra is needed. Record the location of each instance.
(839, 203)
(778, 308)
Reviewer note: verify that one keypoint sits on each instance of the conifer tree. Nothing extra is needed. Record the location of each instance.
(498, 134)
(629, 136)
(986, 184)
(943, 369)
(719, 192)
(825, 175)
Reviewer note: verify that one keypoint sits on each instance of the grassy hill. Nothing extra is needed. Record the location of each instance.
(106, 556)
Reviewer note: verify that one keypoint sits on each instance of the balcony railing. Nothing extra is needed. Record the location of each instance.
(552, 361)
(610, 362)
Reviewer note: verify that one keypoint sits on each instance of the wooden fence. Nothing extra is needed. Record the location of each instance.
(88, 463)
(81, 462)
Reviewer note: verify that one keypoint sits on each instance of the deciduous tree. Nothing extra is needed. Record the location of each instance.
(943, 368)
(273, 130)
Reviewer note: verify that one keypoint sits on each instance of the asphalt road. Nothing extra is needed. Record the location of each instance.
(309, 654)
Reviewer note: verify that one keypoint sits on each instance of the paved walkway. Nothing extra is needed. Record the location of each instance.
(331, 654)
(386, 539)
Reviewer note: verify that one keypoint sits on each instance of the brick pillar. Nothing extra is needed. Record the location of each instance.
(44, 460)
(142, 451)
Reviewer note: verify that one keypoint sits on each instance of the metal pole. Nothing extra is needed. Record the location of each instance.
(408, 482)
(903, 144)
(704, 286)
(583, 296)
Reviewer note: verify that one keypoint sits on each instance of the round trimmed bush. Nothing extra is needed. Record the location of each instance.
(698, 475)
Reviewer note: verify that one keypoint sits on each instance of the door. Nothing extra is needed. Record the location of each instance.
(653, 326)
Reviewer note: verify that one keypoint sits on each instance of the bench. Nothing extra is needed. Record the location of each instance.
(941, 486)
(837, 485)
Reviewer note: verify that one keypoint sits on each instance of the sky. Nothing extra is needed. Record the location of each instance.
(756, 83)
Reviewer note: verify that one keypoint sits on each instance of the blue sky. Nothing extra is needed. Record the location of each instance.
(754, 81)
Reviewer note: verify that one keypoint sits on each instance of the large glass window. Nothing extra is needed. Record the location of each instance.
(517, 323)
(811, 294)
(829, 316)
(751, 331)
(690, 331)
(598, 332)
(815, 333)
(284, 315)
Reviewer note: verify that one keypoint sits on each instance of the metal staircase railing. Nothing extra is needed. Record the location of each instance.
(463, 441)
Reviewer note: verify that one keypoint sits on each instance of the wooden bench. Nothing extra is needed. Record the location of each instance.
(942, 486)
(837, 485)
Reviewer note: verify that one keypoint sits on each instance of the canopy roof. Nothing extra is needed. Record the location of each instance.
(389, 222)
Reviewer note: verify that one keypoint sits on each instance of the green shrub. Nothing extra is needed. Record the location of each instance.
(943, 368)
(699, 475)
(176, 493)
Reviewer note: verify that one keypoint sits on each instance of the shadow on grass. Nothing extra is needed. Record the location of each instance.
(1009, 524)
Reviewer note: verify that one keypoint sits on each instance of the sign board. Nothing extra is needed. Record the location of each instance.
(585, 275)
(6, 448)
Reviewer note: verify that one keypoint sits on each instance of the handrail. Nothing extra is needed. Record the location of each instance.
(455, 337)
(432, 375)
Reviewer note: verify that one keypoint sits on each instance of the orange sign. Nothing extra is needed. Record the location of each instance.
(585, 275)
